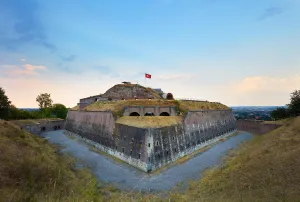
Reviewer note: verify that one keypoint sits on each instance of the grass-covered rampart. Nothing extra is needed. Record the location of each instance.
(264, 169)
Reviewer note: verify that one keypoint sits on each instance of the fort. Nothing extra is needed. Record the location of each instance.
(146, 127)
(38, 126)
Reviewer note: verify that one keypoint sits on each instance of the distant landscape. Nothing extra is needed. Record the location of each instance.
(254, 112)
(240, 112)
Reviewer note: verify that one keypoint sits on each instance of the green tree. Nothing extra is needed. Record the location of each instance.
(294, 106)
(279, 113)
(44, 100)
(4, 104)
(59, 110)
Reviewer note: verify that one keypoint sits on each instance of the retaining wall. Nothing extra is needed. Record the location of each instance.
(255, 126)
(43, 126)
(96, 126)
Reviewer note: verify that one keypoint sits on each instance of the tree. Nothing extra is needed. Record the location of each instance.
(294, 106)
(44, 101)
(4, 104)
(279, 113)
(60, 111)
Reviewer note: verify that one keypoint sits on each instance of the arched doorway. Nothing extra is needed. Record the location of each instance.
(134, 114)
(164, 114)
(149, 114)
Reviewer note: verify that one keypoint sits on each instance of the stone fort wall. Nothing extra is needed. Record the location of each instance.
(255, 126)
(150, 148)
(43, 126)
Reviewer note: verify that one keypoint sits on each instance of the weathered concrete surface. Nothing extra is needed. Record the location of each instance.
(127, 177)
(156, 110)
(255, 126)
(96, 126)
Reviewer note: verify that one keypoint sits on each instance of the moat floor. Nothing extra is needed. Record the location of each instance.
(127, 177)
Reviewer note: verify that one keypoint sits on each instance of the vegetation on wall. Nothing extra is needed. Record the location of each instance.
(181, 106)
(150, 121)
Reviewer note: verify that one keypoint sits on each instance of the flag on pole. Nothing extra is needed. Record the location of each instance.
(148, 76)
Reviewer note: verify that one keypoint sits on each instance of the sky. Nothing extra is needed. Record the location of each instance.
(234, 52)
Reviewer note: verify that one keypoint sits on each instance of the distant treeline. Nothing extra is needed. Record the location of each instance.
(292, 109)
(47, 110)
(56, 111)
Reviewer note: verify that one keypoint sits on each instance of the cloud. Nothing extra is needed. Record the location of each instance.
(267, 84)
(270, 12)
(69, 58)
(26, 69)
(23, 25)
(23, 59)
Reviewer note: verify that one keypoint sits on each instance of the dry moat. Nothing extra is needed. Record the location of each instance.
(127, 177)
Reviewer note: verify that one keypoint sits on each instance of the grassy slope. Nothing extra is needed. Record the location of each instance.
(183, 105)
(150, 121)
(265, 169)
(31, 170)
(131, 86)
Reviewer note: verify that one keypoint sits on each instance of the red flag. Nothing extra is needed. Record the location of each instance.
(148, 76)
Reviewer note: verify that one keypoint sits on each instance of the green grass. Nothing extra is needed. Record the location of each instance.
(31, 170)
(150, 121)
(264, 169)
(181, 106)
(75, 108)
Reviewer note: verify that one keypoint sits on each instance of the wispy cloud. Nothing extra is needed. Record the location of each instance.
(23, 59)
(26, 69)
(69, 58)
(270, 12)
(270, 84)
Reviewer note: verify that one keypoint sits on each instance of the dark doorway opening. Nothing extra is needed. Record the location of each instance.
(134, 114)
(149, 114)
(164, 114)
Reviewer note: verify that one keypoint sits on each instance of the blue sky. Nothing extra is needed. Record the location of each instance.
(235, 52)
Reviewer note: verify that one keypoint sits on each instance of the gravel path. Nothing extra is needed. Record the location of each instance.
(127, 177)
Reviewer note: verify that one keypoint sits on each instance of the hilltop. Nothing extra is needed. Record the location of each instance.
(127, 91)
